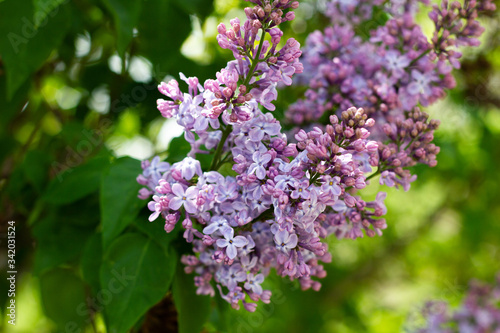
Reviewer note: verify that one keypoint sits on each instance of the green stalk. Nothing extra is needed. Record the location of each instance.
(215, 161)
(255, 60)
(374, 174)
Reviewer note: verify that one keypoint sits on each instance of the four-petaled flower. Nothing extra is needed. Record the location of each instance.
(285, 241)
(234, 275)
(331, 185)
(301, 190)
(184, 198)
(253, 283)
(190, 167)
(218, 223)
(156, 168)
(231, 243)
(258, 166)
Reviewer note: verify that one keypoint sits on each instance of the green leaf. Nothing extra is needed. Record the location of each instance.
(63, 299)
(15, 186)
(221, 314)
(83, 213)
(44, 8)
(24, 47)
(9, 144)
(163, 23)
(227, 170)
(193, 310)
(138, 272)
(119, 202)
(202, 8)
(91, 262)
(73, 184)
(57, 242)
(156, 230)
(125, 15)
(10, 107)
(35, 166)
(178, 149)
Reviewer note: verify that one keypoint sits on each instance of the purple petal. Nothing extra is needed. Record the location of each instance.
(257, 289)
(292, 241)
(151, 206)
(222, 242)
(231, 251)
(241, 276)
(190, 206)
(187, 172)
(336, 190)
(280, 236)
(175, 203)
(413, 88)
(210, 229)
(260, 172)
(154, 216)
(256, 134)
(163, 166)
(147, 172)
(265, 158)
(287, 80)
(228, 233)
(192, 192)
(273, 128)
(178, 190)
(240, 241)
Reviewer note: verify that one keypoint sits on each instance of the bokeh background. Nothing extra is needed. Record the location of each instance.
(75, 70)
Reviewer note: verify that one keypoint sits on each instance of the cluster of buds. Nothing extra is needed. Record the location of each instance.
(456, 25)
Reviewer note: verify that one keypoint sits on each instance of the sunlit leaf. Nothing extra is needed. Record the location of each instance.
(63, 299)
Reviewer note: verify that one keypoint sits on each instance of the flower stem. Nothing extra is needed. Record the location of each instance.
(255, 60)
(314, 177)
(218, 151)
(414, 61)
(374, 174)
(215, 161)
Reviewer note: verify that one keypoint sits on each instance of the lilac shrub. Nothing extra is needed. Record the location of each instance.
(284, 194)
(478, 313)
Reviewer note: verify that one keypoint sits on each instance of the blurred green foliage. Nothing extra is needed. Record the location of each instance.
(78, 90)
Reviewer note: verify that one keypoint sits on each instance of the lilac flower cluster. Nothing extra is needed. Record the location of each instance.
(285, 200)
(389, 75)
(479, 312)
(267, 201)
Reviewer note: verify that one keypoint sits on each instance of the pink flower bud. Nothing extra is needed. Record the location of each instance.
(221, 28)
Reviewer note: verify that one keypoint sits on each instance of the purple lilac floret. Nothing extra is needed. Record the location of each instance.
(287, 193)
(478, 313)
